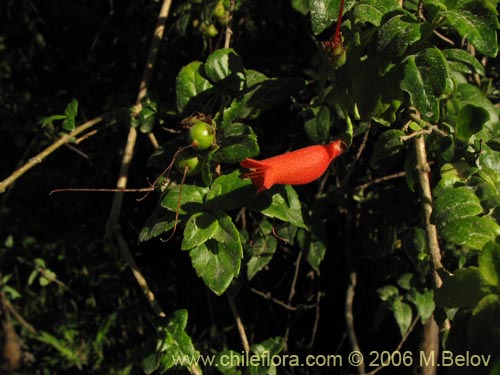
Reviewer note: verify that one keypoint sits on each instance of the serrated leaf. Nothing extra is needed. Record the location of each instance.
(455, 203)
(489, 263)
(397, 35)
(218, 260)
(462, 61)
(472, 232)
(372, 11)
(318, 123)
(268, 93)
(477, 21)
(190, 201)
(285, 205)
(470, 120)
(228, 192)
(325, 12)
(238, 142)
(170, 344)
(262, 248)
(402, 314)
(464, 289)
(388, 144)
(70, 113)
(425, 79)
(160, 221)
(226, 65)
(199, 228)
(424, 303)
(190, 83)
(483, 333)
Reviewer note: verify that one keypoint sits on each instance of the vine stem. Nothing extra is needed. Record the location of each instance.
(49, 150)
(229, 30)
(239, 322)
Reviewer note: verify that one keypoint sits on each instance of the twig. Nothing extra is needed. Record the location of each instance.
(132, 135)
(153, 140)
(229, 31)
(19, 318)
(349, 317)
(49, 150)
(358, 154)
(400, 345)
(381, 179)
(239, 323)
(317, 314)
(269, 297)
(122, 244)
(415, 116)
(292, 294)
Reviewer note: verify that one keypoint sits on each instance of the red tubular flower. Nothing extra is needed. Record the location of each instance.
(298, 167)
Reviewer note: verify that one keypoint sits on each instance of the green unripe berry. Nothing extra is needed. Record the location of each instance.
(211, 31)
(191, 161)
(202, 135)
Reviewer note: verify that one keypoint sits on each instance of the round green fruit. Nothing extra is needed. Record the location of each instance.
(191, 161)
(202, 135)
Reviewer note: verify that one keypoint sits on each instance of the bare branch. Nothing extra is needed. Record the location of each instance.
(49, 150)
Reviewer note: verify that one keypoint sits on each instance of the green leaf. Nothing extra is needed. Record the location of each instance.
(388, 292)
(190, 201)
(199, 229)
(190, 83)
(301, 6)
(463, 62)
(464, 289)
(262, 248)
(424, 303)
(218, 260)
(402, 314)
(238, 141)
(267, 94)
(160, 221)
(455, 203)
(228, 192)
(285, 205)
(62, 347)
(70, 114)
(226, 65)
(170, 344)
(388, 145)
(372, 11)
(325, 12)
(470, 120)
(489, 263)
(470, 94)
(397, 35)
(318, 123)
(472, 232)
(489, 158)
(477, 21)
(425, 79)
(483, 334)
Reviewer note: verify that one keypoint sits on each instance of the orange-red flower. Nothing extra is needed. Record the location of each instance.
(298, 167)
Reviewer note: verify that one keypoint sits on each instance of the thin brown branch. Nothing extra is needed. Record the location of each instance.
(349, 317)
(358, 155)
(132, 135)
(319, 294)
(291, 294)
(150, 297)
(239, 322)
(153, 140)
(17, 316)
(399, 346)
(269, 297)
(49, 150)
(423, 170)
(381, 179)
(229, 31)
(114, 216)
